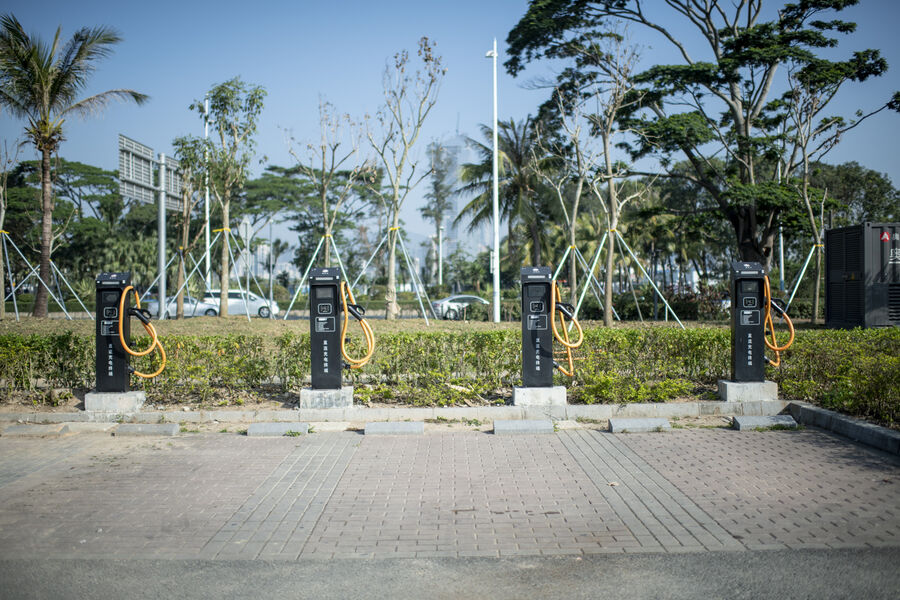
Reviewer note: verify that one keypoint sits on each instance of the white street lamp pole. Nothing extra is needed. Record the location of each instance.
(206, 191)
(441, 255)
(495, 256)
(161, 225)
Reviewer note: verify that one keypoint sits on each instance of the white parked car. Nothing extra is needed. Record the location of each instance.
(453, 307)
(257, 305)
(192, 307)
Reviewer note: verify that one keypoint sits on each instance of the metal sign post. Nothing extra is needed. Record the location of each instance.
(136, 167)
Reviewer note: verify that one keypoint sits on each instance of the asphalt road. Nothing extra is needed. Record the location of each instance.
(820, 574)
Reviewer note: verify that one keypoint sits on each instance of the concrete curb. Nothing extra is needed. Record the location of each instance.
(400, 413)
(167, 429)
(277, 429)
(540, 426)
(803, 412)
(639, 425)
(745, 423)
(855, 429)
(395, 428)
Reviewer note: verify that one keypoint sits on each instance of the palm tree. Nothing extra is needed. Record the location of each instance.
(520, 202)
(41, 82)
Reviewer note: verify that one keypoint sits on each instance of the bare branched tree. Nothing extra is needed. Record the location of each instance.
(392, 134)
(331, 165)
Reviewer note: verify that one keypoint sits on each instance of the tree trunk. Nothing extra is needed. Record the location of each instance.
(179, 281)
(392, 309)
(743, 221)
(185, 235)
(817, 274)
(328, 239)
(225, 282)
(3, 271)
(573, 269)
(40, 298)
(2, 278)
(535, 244)
(607, 291)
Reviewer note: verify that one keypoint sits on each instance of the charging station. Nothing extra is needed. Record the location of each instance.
(113, 332)
(324, 329)
(748, 322)
(537, 338)
(540, 302)
(112, 365)
(328, 314)
(747, 327)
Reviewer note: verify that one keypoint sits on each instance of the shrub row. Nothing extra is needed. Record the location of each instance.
(851, 371)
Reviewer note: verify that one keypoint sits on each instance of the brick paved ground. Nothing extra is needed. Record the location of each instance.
(451, 494)
(465, 495)
(776, 490)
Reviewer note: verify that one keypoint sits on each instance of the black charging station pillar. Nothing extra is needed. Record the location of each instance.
(325, 328)
(112, 362)
(747, 322)
(537, 337)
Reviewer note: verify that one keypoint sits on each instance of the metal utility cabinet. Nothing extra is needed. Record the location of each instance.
(862, 276)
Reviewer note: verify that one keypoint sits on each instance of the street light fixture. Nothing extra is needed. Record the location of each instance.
(495, 255)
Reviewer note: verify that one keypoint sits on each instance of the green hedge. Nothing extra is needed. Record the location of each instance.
(851, 371)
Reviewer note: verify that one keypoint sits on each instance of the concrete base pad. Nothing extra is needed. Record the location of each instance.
(523, 426)
(743, 423)
(539, 396)
(395, 428)
(617, 425)
(114, 402)
(276, 429)
(747, 391)
(167, 429)
(342, 398)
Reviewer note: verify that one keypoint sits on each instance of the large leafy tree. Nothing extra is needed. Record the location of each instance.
(862, 194)
(234, 109)
(716, 102)
(41, 83)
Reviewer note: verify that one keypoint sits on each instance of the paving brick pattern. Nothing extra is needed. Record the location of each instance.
(132, 497)
(466, 495)
(782, 489)
(661, 517)
(336, 495)
(21, 457)
(276, 521)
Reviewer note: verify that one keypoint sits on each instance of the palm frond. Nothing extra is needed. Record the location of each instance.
(97, 102)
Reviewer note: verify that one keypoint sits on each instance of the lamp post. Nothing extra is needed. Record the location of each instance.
(495, 255)
(206, 256)
(441, 255)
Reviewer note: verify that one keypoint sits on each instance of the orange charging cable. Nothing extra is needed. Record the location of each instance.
(150, 330)
(770, 326)
(357, 312)
(556, 305)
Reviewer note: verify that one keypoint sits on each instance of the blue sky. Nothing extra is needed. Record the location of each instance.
(301, 50)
